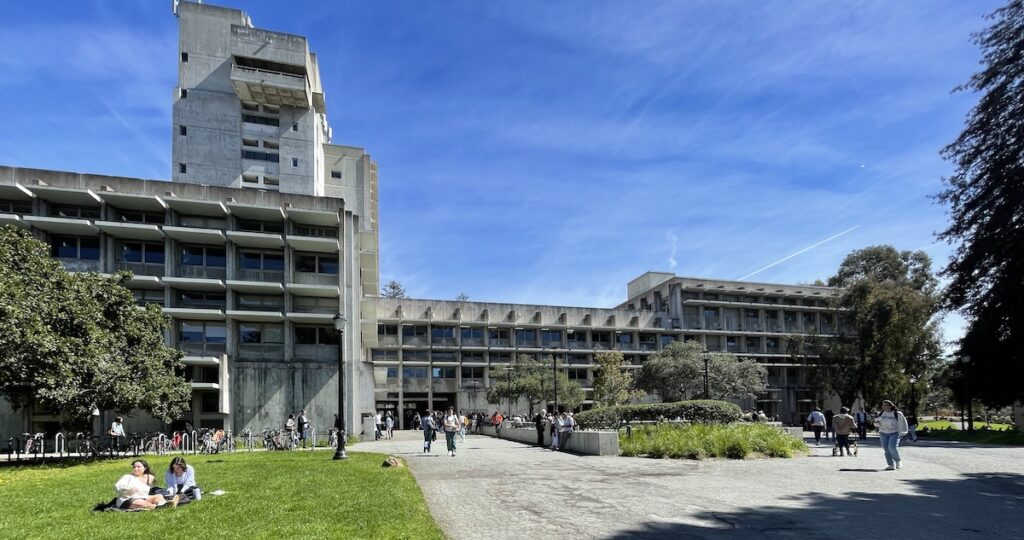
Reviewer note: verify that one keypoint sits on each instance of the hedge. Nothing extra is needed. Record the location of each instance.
(702, 411)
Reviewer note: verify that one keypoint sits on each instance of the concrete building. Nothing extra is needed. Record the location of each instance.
(266, 232)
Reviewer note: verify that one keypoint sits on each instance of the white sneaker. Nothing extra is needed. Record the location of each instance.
(890, 468)
(899, 465)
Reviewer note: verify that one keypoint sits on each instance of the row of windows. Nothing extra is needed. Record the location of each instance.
(420, 372)
(216, 332)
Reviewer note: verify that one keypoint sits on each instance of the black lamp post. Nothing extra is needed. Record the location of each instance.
(913, 395)
(967, 382)
(706, 359)
(339, 424)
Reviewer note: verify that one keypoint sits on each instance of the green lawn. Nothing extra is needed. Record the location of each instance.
(987, 436)
(947, 424)
(268, 495)
(700, 441)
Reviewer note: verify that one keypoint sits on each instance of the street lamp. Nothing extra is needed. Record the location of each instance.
(339, 424)
(913, 395)
(706, 359)
(966, 359)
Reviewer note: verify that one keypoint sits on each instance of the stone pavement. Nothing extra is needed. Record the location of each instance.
(497, 489)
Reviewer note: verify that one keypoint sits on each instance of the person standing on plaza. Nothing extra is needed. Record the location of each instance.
(912, 425)
(844, 424)
(452, 423)
(116, 433)
(538, 422)
(416, 421)
(817, 422)
(289, 430)
(428, 426)
(378, 421)
(389, 425)
(303, 425)
(565, 431)
(462, 426)
(891, 426)
(862, 424)
(829, 430)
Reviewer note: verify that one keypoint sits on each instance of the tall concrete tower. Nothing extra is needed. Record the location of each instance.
(249, 108)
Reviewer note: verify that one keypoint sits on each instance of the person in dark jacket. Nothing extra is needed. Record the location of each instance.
(538, 421)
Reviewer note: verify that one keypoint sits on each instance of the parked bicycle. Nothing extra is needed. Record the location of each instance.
(34, 443)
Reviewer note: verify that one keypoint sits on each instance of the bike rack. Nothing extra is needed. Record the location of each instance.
(14, 444)
(161, 445)
(184, 443)
(58, 444)
(195, 434)
(312, 431)
(248, 441)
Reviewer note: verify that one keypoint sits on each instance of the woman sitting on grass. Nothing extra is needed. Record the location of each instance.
(181, 479)
(133, 489)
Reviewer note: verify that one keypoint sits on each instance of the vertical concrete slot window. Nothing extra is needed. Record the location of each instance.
(295, 127)
(335, 174)
(184, 57)
(181, 168)
(295, 162)
(184, 93)
(182, 130)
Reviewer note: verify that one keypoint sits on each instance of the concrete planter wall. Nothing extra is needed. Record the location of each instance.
(594, 443)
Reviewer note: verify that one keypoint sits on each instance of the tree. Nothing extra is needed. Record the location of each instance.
(886, 306)
(612, 384)
(392, 289)
(676, 373)
(533, 381)
(462, 297)
(75, 342)
(985, 195)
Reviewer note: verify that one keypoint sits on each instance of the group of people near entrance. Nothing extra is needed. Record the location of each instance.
(560, 426)
(890, 422)
(138, 490)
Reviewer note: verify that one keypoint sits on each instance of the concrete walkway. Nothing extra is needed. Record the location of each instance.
(497, 489)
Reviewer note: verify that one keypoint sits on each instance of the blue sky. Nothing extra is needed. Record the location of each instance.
(549, 152)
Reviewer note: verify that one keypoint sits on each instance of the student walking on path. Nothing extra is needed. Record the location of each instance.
(891, 426)
(428, 426)
(844, 424)
(565, 430)
(817, 422)
(452, 423)
(862, 424)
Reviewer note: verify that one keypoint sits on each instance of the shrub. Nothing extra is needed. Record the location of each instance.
(696, 411)
(700, 441)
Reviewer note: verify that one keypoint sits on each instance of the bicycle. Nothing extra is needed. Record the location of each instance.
(34, 444)
(332, 437)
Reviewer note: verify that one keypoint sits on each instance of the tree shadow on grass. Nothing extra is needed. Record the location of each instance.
(982, 506)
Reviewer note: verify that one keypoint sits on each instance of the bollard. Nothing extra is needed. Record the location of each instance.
(194, 440)
(312, 432)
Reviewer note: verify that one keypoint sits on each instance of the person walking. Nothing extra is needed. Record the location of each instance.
(565, 431)
(844, 424)
(416, 421)
(303, 425)
(538, 422)
(428, 426)
(451, 428)
(389, 425)
(829, 430)
(817, 422)
(289, 430)
(862, 424)
(378, 424)
(462, 426)
(891, 426)
(912, 425)
(116, 433)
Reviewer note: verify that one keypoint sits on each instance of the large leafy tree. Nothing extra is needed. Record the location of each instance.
(72, 342)
(888, 331)
(613, 385)
(532, 380)
(985, 196)
(677, 372)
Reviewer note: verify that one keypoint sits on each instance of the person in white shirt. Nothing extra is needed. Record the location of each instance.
(133, 489)
(181, 479)
(116, 432)
(565, 430)
(817, 422)
(891, 426)
(452, 424)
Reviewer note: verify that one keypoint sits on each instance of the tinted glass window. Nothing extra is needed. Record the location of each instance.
(328, 265)
(305, 335)
(132, 252)
(305, 263)
(89, 248)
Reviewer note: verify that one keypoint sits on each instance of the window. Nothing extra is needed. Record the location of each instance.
(75, 247)
(318, 264)
(314, 304)
(203, 256)
(295, 162)
(473, 373)
(260, 333)
(181, 168)
(184, 57)
(443, 372)
(472, 332)
(261, 226)
(183, 93)
(577, 374)
(259, 302)
(182, 130)
(209, 402)
(387, 329)
(143, 297)
(261, 120)
(138, 216)
(250, 142)
(526, 337)
(261, 156)
(246, 106)
(442, 332)
(335, 174)
(271, 145)
(268, 181)
(203, 332)
(16, 207)
(142, 252)
(202, 222)
(248, 179)
(201, 300)
(74, 212)
(295, 127)
(260, 260)
(315, 335)
(319, 232)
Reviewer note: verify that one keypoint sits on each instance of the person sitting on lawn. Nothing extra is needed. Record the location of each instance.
(133, 489)
(181, 479)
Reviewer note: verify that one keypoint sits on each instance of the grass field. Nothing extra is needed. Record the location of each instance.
(268, 495)
(946, 424)
(701, 441)
(986, 436)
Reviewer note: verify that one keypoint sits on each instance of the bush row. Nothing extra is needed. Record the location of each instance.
(702, 411)
(702, 441)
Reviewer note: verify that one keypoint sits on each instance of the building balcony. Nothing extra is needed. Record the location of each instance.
(443, 342)
(131, 231)
(195, 235)
(195, 313)
(311, 317)
(314, 244)
(472, 342)
(255, 316)
(194, 284)
(205, 385)
(310, 278)
(57, 225)
(81, 265)
(270, 87)
(473, 384)
(496, 342)
(255, 287)
(316, 353)
(141, 269)
(256, 239)
(201, 272)
(201, 349)
(260, 352)
(202, 361)
(244, 274)
(414, 341)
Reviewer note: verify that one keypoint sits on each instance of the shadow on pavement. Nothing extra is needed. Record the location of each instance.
(974, 506)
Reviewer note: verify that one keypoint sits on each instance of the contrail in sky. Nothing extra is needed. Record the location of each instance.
(804, 250)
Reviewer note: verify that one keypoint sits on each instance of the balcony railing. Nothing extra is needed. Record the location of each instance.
(244, 274)
(202, 272)
(199, 348)
(472, 342)
(627, 346)
(316, 353)
(444, 385)
(443, 341)
(415, 384)
(414, 340)
(473, 384)
(307, 278)
(387, 340)
(648, 346)
(81, 265)
(260, 352)
(601, 346)
(691, 323)
(141, 269)
(500, 342)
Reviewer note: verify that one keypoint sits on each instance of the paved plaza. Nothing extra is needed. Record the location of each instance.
(501, 489)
